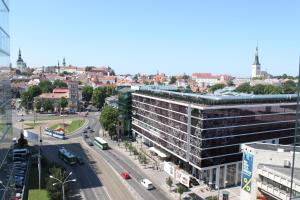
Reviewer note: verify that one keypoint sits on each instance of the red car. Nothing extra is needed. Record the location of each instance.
(125, 175)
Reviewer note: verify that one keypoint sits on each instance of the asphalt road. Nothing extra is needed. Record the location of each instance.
(121, 164)
(90, 187)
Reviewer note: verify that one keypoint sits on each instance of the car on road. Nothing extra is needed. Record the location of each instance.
(92, 131)
(86, 136)
(20, 120)
(147, 184)
(85, 131)
(125, 175)
(88, 127)
(91, 143)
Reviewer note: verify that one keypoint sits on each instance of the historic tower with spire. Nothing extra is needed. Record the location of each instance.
(256, 72)
(21, 65)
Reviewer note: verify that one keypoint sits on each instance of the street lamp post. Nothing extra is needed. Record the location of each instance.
(63, 182)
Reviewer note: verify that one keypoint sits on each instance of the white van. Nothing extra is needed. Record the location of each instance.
(147, 184)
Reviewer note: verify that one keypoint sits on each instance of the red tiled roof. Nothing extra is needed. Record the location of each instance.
(107, 78)
(61, 90)
(210, 76)
(53, 95)
(103, 85)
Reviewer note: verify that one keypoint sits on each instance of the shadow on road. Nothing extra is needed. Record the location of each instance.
(85, 174)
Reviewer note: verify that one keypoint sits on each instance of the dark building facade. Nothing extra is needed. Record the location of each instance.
(204, 133)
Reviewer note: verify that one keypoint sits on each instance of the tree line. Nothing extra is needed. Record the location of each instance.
(289, 87)
(27, 97)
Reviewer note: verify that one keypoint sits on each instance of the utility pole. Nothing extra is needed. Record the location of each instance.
(295, 134)
(39, 158)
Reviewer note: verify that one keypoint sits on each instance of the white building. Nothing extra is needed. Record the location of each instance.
(256, 68)
(208, 79)
(267, 170)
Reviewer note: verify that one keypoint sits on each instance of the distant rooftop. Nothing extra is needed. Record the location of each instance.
(273, 147)
(237, 98)
(283, 170)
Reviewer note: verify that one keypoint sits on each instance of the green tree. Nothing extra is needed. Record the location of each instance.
(169, 182)
(38, 105)
(244, 88)
(109, 119)
(63, 102)
(230, 82)
(87, 93)
(130, 147)
(89, 68)
(34, 91)
(258, 89)
(270, 89)
(126, 144)
(98, 97)
(289, 87)
(27, 97)
(55, 191)
(215, 87)
(59, 84)
(46, 86)
(173, 80)
(25, 100)
(48, 105)
(180, 190)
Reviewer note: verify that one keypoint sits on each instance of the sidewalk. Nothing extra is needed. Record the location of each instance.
(157, 176)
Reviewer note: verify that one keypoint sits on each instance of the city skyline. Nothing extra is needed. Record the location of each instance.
(168, 37)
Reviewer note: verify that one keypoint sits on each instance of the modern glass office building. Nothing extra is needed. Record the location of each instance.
(5, 104)
(204, 133)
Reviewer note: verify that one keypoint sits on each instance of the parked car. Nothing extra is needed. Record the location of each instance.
(147, 184)
(86, 136)
(88, 127)
(20, 120)
(91, 143)
(85, 131)
(125, 175)
(92, 131)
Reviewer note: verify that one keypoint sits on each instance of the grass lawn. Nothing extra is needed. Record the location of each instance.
(70, 128)
(31, 124)
(37, 194)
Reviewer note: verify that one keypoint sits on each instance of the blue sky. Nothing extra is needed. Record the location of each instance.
(170, 36)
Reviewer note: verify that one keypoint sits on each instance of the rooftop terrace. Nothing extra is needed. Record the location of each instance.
(219, 99)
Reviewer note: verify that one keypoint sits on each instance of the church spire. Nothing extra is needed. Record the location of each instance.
(64, 62)
(20, 56)
(256, 61)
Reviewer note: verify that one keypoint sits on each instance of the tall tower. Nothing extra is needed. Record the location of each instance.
(64, 62)
(256, 72)
(58, 68)
(20, 62)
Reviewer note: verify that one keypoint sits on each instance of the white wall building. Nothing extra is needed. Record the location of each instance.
(267, 172)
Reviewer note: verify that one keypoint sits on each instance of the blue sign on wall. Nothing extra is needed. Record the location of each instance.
(247, 171)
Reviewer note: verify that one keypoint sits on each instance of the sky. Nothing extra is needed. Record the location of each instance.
(170, 36)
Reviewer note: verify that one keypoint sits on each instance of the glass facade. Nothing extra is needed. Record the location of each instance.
(210, 135)
(5, 105)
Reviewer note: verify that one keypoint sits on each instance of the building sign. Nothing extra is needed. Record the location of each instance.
(169, 168)
(179, 175)
(183, 177)
(247, 171)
